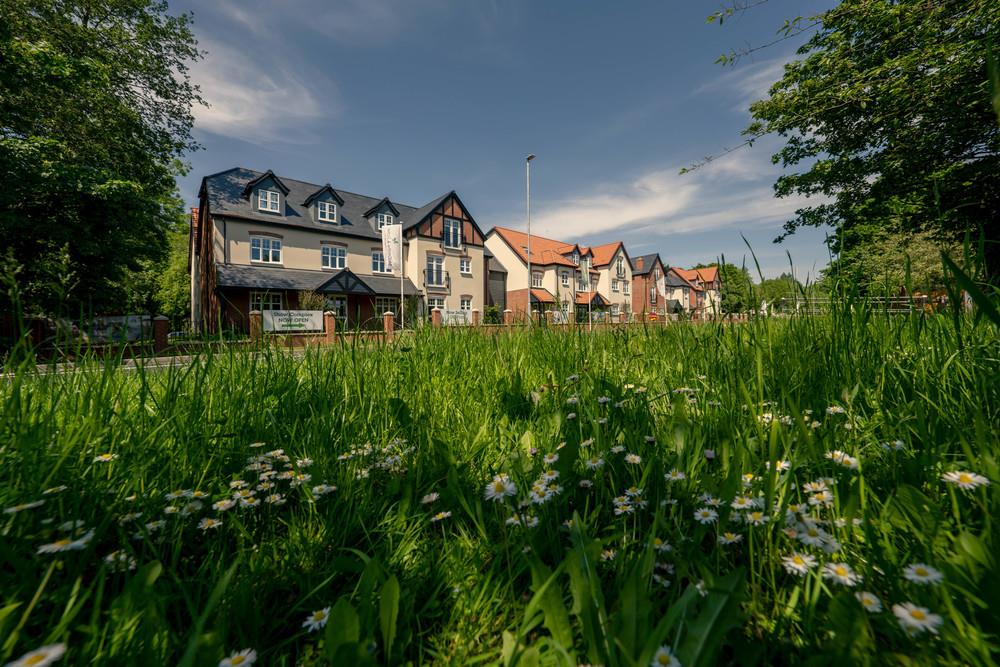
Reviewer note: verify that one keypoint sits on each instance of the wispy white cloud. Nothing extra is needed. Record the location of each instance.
(261, 101)
(745, 83)
(732, 191)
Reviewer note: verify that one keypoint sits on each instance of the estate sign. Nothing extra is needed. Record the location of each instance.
(292, 321)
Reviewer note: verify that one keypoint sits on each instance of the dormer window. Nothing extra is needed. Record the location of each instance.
(384, 219)
(620, 267)
(326, 211)
(452, 233)
(576, 258)
(268, 200)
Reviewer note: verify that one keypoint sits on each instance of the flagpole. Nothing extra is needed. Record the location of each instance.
(402, 271)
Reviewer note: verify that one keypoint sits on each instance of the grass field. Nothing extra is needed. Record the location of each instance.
(817, 489)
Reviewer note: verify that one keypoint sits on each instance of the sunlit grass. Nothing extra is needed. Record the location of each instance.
(607, 564)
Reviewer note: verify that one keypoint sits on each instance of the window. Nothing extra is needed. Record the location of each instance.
(265, 300)
(334, 257)
(267, 200)
(435, 274)
(576, 257)
(452, 233)
(614, 285)
(536, 279)
(620, 267)
(615, 309)
(378, 262)
(656, 273)
(652, 295)
(466, 303)
(265, 249)
(627, 286)
(386, 304)
(384, 219)
(435, 302)
(564, 276)
(326, 211)
(580, 283)
(338, 305)
(465, 265)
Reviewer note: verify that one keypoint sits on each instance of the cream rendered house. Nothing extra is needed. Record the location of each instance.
(615, 276)
(259, 241)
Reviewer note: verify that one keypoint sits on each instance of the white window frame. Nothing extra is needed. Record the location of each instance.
(620, 267)
(333, 256)
(385, 219)
(452, 233)
(465, 304)
(266, 247)
(269, 201)
(541, 278)
(614, 285)
(435, 302)
(435, 266)
(564, 278)
(380, 261)
(326, 211)
(272, 300)
(627, 287)
(465, 266)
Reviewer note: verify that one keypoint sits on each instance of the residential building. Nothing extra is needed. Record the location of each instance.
(707, 286)
(614, 268)
(563, 276)
(680, 290)
(261, 240)
(648, 285)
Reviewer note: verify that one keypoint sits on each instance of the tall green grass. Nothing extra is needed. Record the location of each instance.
(442, 412)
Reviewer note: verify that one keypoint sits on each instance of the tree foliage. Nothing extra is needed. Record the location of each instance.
(888, 115)
(95, 108)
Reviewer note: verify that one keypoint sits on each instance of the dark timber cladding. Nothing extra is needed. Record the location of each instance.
(451, 207)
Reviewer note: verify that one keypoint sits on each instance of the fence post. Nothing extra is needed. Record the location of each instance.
(508, 317)
(436, 317)
(256, 325)
(476, 318)
(388, 323)
(160, 325)
(550, 317)
(330, 325)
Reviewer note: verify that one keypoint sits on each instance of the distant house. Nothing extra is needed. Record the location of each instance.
(615, 275)
(260, 239)
(648, 293)
(563, 277)
(707, 285)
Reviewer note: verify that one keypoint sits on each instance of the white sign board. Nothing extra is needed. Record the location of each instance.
(292, 321)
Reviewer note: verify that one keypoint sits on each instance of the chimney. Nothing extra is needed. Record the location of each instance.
(638, 263)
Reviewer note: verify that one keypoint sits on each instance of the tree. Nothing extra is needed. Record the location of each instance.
(736, 288)
(889, 114)
(95, 108)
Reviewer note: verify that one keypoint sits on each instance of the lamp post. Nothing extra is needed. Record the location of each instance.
(527, 208)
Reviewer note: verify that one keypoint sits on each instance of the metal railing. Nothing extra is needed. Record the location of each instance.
(440, 280)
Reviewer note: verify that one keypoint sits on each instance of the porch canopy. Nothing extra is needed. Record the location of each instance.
(591, 298)
(344, 281)
(541, 296)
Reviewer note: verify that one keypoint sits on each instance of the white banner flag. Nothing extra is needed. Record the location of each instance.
(392, 248)
(661, 286)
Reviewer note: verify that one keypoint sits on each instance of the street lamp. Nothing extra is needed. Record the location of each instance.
(527, 207)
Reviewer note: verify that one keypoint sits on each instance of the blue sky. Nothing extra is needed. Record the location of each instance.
(414, 98)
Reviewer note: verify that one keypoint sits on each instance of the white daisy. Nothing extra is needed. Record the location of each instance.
(105, 458)
(440, 516)
(317, 619)
(705, 515)
(209, 523)
(594, 463)
(40, 657)
(965, 480)
(798, 564)
(24, 506)
(916, 619)
(429, 498)
(243, 658)
(550, 458)
(665, 658)
(634, 459)
(730, 538)
(869, 601)
(841, 573)
(501, 487)
(675, 475)
(920, 573)
(224, 505)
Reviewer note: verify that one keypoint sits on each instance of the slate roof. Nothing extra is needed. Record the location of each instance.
(224, 192)
(648, 262)
(675, 280)
(275, 278)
